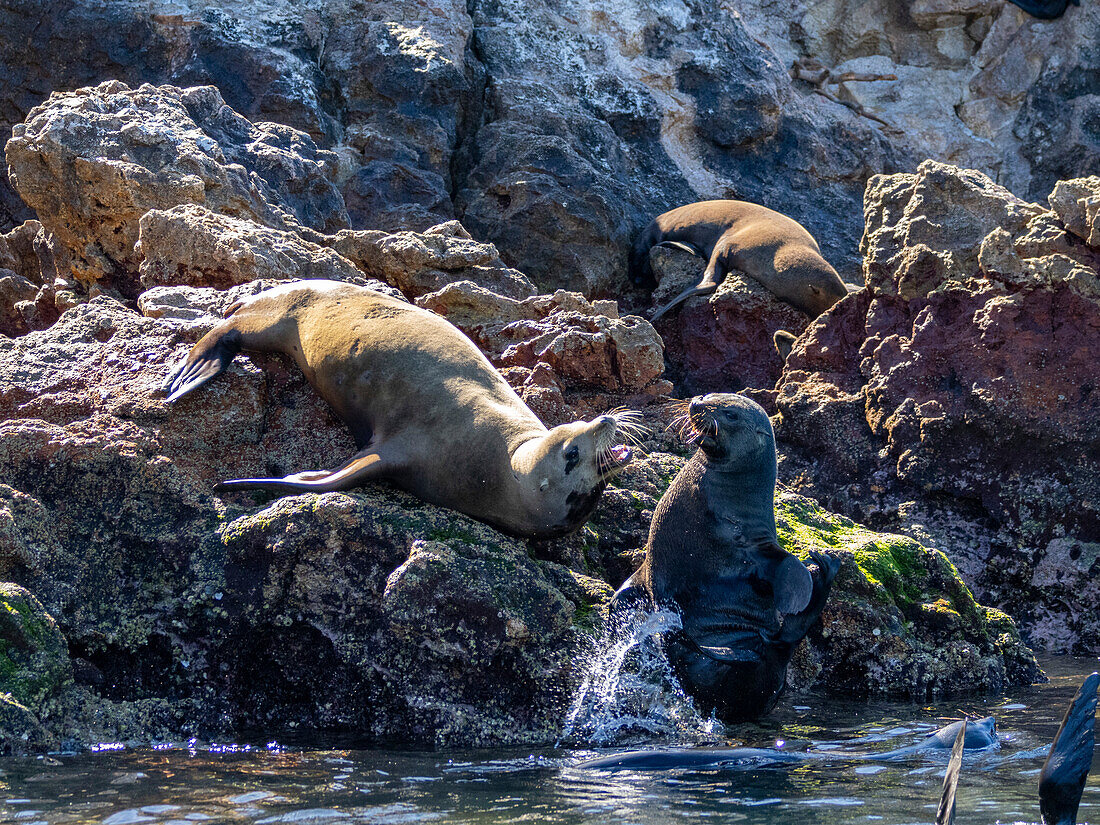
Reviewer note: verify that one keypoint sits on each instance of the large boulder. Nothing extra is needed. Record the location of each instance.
(951, 397)
(568, 358)
(92, 162)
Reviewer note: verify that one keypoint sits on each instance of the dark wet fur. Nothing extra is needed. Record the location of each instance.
(1062, 779)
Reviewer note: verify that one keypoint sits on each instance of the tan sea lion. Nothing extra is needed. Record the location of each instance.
(767, 246)
(425, 406)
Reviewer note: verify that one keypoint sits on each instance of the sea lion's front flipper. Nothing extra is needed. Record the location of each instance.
(208, 359)
(946, 813)
(363, 466)
(686, 247)
(1067, 767)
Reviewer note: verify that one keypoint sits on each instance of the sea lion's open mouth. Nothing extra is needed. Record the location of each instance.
(612, 459)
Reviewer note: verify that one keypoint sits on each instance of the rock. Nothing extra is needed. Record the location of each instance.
(27, 299)
(969, 346)
(34, 658)
(217, 595)
(723, 342)
(192, 246)
(1077, 203)
(92, 162)
(567, 357)
(421, 262)
(900, 622)
(381, 614)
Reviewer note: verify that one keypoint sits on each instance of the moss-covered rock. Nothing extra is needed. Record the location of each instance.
(900, 621)
(34, 658)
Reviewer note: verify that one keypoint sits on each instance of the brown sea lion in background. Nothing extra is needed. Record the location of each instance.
(427, 409)
(714, 556)
(767, 246)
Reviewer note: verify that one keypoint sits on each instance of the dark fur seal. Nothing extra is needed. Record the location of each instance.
(1062, 780)
(1045, 9)
(714, 556)
(980, 734)
(768, 246)
(426, 407)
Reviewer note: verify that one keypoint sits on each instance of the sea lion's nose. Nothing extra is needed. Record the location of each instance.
(696, 407)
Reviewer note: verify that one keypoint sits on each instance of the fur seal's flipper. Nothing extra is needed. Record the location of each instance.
(206, 361)
(784, 342)
(791, 582)
(1067, 767)
(1045, 9)
(362, 467)
(946, 813)
(702, 288)
(694, 250)
(629, 596)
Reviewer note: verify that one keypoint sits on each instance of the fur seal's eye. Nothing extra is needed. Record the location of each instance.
(572, 457)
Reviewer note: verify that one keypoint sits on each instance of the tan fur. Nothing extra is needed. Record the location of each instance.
(766, 245)
(426, 406)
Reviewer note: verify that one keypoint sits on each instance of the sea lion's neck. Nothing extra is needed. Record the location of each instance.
(744, 495)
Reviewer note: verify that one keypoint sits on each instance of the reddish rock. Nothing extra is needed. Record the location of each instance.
(962, 375)
(567, 357)
(720, 343)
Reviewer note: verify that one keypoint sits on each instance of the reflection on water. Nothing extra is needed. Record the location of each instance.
(271, 785)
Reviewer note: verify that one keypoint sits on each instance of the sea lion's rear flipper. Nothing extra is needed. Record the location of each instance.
(363, 466)
(946, 813)
(1067, 767)
(208, 359)
(704, 287)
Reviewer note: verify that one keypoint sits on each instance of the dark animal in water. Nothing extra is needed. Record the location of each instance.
(980, 734)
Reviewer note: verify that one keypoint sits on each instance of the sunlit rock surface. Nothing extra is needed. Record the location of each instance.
(953, 398)
(158, 206)
(368, 612)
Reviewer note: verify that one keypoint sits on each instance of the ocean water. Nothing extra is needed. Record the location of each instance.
(283, 782)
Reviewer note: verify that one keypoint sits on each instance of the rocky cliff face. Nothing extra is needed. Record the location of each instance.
(151, 606)
(557, 130)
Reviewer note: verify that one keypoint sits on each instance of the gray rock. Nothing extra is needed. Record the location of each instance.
(92, 162)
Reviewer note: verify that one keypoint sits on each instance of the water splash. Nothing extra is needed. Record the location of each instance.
(629, 691)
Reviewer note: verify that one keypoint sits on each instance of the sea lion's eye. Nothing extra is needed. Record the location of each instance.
(572, 456)
(730, 416)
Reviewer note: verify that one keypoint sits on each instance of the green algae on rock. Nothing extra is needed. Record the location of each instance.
(34, 657)
(900, 621)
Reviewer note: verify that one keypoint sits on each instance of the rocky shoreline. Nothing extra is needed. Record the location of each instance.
(491, 162)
